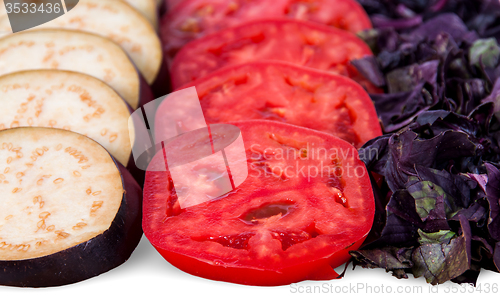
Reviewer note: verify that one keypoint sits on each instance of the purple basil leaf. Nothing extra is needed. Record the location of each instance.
(440, 262)
(496, 256)
(381, 39)
(446, 22)
(481, 246)
(406, 79)
(481, 179)
(369, 68)
(483, 114)
(493, 195)
(380, 21)
(455, 122)
(404, 11)
(470, 276)
(431, 201)
(429, 117)
(485, 51)
(402, 204)
(380, 217)
(442, 236)
(393, 107)
(401, 224)
(374, 154)
(440, 4)
(476, 212)
(389, 258)
(455, 186)
(406, 150)
(494, 97)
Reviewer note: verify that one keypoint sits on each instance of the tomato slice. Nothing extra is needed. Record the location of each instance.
(287, 93)
(307, 201)
(193, 19)
(172, 3)
(296, 42)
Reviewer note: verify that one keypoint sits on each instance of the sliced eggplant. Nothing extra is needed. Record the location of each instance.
(118, 21)
(148, 8)
(67, 100)
(68, 211)
(75, 51)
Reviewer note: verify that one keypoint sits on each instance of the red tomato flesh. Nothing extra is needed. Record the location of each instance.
(193, 19)
(307, 201)
(173, 3)
(296, 42)
(287, 93)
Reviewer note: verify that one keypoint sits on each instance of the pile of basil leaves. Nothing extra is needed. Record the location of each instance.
(438, 211)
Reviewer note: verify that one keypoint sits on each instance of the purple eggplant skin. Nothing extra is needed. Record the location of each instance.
(88, 259)
(162, 84)
(138, 174)
(146, 94)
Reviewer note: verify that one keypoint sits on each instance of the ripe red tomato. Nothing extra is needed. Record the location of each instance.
(287, 93)
(304, 44)
(193, 19)
(307, 201)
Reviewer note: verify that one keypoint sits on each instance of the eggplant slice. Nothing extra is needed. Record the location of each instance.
(118, 21)
(68, 211)
(148, 8)
(67, 100)
(74, 51)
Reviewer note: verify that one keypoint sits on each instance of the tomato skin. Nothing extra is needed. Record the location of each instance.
(193, 19)
(177, 235)
(320, 270)
(171, 4)
(288, 93)
(300, 43)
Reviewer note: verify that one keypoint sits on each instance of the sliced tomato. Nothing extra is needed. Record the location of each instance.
(172, 3)
(287, 93)
(300, 43)
(307, 201)
(193, 19)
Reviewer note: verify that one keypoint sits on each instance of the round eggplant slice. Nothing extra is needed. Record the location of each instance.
(75, 51)
(70, 101)
(68, 211)
(117, 21)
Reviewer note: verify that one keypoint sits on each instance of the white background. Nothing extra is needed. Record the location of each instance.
(146, 273)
